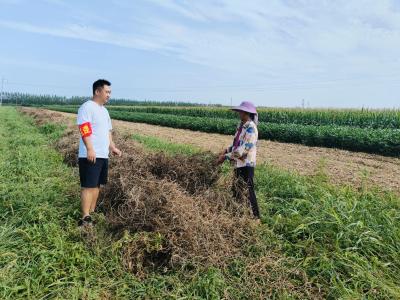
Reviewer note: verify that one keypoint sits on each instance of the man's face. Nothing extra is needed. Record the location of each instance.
(104, 93)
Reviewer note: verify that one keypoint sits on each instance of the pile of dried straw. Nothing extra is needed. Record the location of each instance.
(175, 215)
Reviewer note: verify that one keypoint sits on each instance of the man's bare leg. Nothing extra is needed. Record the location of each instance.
(95, 196)
(86, 200)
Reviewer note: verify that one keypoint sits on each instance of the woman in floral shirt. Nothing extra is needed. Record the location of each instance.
(243, 151)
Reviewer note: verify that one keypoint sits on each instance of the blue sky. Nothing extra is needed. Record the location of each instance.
(274, 53)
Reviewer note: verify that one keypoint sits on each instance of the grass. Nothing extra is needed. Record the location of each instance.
(156, 144)
(42, 253)
(347, 241)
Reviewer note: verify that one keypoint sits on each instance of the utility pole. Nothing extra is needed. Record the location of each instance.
(2, 89)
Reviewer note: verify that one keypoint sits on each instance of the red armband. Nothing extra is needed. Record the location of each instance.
(85, 129)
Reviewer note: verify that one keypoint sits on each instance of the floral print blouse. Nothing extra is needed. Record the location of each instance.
(243, 150)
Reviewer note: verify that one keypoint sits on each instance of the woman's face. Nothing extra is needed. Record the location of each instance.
(244, 116)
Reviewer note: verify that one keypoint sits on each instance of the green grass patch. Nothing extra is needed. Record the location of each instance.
(42, 253)
(52, 131)
(157, 144)
(347, 241)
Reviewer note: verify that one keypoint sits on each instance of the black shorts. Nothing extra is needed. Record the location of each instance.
(93, 174)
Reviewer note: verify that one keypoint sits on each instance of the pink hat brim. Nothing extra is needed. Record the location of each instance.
(245, 109)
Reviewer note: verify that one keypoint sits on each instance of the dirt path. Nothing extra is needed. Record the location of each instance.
(341, 166)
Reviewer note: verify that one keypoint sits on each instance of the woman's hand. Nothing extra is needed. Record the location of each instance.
(221, 158)
(223, 152)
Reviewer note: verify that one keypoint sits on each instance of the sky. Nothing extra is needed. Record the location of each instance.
(280, 53)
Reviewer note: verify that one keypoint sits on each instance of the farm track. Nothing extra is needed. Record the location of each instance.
(341, 166)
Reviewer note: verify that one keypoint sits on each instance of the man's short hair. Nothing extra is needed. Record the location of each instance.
(100, 84)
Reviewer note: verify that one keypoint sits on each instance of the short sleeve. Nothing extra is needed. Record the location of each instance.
(109, 121)
(84, 115)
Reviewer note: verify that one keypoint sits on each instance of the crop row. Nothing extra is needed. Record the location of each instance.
(379, 141)
(356, 118)
(375, 119)
(42, 100)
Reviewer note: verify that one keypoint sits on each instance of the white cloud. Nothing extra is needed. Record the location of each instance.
(344, 37)
(85, 33)
(46, 66)
(183, 9)
(314, 40)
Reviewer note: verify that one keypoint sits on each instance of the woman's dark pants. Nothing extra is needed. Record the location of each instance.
(245, 177)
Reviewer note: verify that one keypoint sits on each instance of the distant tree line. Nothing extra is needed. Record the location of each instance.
(42, 100)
